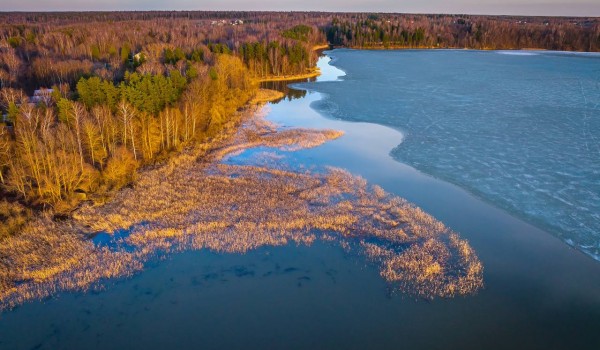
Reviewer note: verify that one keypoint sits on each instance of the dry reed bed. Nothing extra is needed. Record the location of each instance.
(197, 202)
(267, 95)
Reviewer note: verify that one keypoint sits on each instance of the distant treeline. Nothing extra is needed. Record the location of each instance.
(474, 32)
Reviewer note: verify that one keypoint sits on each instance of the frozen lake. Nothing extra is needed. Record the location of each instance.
(519, 129)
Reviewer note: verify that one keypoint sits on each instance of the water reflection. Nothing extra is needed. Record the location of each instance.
(284, 86)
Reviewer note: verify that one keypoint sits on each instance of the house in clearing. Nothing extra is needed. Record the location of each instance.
(41, 96)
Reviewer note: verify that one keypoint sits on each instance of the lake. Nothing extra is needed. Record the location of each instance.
(539, 293)
(518, 129)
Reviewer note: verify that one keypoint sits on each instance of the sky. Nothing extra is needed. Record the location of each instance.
(500, 7)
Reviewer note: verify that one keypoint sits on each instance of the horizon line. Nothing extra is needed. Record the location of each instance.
(302, 11)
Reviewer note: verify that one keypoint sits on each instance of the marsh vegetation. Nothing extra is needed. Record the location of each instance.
(195, 201)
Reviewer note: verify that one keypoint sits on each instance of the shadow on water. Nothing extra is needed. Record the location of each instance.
(284, 86)
(115, 240)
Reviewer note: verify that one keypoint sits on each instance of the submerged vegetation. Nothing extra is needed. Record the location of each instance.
(196, 201)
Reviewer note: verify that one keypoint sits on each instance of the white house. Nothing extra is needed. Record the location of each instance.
(41, 96)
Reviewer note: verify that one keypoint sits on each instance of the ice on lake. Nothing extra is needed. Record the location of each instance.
(519, 129)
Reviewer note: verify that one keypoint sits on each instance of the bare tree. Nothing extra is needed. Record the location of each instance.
(13, 64)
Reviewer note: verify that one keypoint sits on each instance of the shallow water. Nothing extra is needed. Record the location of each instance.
(517, 128)
(539, 294)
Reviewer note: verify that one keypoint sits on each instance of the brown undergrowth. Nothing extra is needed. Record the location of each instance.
(196, 201)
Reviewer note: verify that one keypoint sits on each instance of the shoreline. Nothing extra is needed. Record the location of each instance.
(308, 75)
(463, 49)
(543, 233)
(313, 72)
(195, 201)
(522, 261)
(553, 235)
(321, 47)
(436, 48)
(264, 96)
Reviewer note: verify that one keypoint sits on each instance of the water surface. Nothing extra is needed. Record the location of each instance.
(520, 129)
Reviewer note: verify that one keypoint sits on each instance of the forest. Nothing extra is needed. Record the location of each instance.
(464, 32)
(88, 98)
